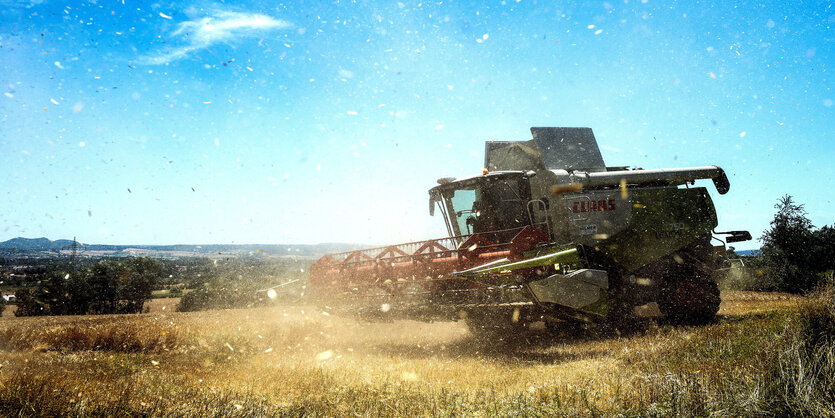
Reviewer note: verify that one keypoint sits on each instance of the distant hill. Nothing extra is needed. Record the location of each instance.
(34, 244)
(30, 245)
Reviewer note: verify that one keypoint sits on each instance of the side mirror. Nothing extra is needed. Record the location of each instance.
(736, 236)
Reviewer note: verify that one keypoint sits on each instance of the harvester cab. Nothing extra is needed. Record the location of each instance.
(547, 232)
(492, 203)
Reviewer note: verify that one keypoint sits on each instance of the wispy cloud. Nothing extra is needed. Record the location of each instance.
(20, 3)
(220, 27)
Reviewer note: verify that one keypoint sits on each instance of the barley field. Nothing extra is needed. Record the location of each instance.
(302, 360)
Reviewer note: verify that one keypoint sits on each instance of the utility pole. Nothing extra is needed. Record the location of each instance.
(74, 251)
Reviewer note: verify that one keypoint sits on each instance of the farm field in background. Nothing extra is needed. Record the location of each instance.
(303, 360)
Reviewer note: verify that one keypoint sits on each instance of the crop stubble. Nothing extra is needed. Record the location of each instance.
(303, 360)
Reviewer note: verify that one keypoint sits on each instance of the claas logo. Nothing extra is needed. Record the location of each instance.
(581, 206)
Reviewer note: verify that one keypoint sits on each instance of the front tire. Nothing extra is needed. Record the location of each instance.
(689, 298)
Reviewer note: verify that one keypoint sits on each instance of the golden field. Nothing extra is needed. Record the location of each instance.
(301, 360)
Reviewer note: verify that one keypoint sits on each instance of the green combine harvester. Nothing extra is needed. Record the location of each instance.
(547, 233)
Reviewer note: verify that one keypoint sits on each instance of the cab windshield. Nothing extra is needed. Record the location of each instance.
(486, 205)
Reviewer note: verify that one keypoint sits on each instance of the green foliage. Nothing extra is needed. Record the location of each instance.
(825, 248)
(242, 283)
(58, 293)
(175, 292)
(222, 294)
(191, 271)
(786, 252)
(136, 283)
(103, 277)
(27, 304)
(109, 286)
(793, 254)
(123, 285)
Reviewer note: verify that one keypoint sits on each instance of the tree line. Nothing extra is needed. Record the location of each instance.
(106, 287)
(122, 285)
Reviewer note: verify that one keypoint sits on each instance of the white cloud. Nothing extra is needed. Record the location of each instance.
(220, 27)
(21, 3)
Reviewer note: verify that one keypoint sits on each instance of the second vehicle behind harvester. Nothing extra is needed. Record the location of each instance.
(546, 233)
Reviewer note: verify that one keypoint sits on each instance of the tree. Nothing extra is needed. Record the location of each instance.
(825, 250)
(27, 303)
(53, 292)
(123, 287)
(103, 286)
(78, 292)
(789, 247)
(137, 281)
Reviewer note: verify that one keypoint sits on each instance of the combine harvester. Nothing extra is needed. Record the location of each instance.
(547, 233)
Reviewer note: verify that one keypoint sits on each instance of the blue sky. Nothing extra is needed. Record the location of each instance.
(263, 122)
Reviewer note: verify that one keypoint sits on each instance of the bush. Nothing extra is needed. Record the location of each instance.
(803, 377)
(124, 335)
(222, 294)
